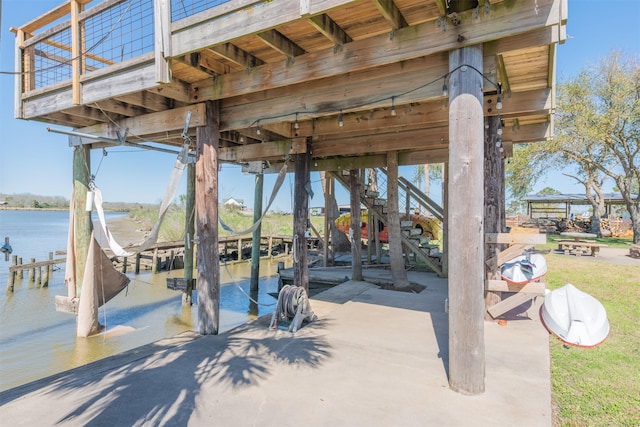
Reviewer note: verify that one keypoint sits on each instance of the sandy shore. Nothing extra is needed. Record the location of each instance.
(127, 231)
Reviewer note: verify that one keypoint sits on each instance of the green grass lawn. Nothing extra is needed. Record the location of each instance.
(599, 386)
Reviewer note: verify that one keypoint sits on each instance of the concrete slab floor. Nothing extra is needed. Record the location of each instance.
(374, 358)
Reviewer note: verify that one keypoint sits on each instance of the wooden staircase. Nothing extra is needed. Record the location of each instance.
(416, 247)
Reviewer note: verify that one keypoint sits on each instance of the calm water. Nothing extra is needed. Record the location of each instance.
(36, 341)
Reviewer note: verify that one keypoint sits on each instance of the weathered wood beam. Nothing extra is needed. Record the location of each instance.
(149, 100)
(330, 29)
(92, 114)
(255, 152)
(50, 16)
(326, 97)
(356, 229)
(407, 43)
(391, 13)
(528, 133)
(236, 55)
(177, 91)
(281, 43)
(163, 121)
(120, 108)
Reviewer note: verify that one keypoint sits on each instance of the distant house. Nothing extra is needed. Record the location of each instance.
(233, 203)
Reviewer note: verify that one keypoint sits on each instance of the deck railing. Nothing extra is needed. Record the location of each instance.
(67, 42)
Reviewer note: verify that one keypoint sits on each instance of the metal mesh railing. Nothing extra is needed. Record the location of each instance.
(49, 61)
(184, 8)
(120, 32)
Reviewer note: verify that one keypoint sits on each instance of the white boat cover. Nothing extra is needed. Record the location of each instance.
(524, 269)
(575, 317)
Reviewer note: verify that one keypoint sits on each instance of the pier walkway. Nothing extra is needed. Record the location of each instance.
(375, 357)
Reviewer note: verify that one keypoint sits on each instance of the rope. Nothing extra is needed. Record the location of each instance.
(293, 305)
(242, 290)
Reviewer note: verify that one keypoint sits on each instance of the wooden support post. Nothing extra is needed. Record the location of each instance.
(327, 223)
(155, 261)
(398, 273)
(189, 233)
(12, 274)
(370, 228)
(32, 270)
(356, 225)
(466, 214)
(20, 274)
(208, 279)
(38, 279)
(257, 234)
(50, 272)
(270, 246)
(494, 219)
(82, 219)
(445, 219)
(137, 270)
(239, 248)
(300, 218)
(162, 28)
(76, 70)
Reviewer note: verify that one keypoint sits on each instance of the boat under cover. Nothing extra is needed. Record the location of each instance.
(524, 269)
(575, 317)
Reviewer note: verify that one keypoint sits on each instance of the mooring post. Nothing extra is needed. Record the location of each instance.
(50, 273)
(82, 218)
(12, 274)
(38, 279)
(32, 270)
(20, 272)
(257, 234)
(6, 248)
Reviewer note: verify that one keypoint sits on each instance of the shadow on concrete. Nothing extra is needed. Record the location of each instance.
(160, 383)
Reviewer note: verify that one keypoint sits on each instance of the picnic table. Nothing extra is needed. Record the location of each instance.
(579, 244)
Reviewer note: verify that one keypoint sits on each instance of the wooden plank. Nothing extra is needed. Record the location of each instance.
(330, 29)
(509, 304)
(510, 238)
(280, 43)
(391, 13)
(268, 150)
(537, 288)
(49, 17)
(162, 121)
(410, 43)
(509, 253)
(465, 223)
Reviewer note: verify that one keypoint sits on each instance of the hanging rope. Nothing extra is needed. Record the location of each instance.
(274, 193)
(242, 290)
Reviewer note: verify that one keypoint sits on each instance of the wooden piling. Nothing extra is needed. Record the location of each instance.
(398, 273)
(20, 272)
(32, 270)
(137, 268)
(50, 269)
(257, 234)
(12, 274)
(494, 215)
(124, 265)
(38, 279)
(466, 225)
(189, 233)
(300, 217)
(208, 283)
(356, 226)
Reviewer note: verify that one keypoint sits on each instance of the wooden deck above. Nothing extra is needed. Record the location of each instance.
(359, 77)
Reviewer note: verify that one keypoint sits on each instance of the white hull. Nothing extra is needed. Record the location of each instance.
(575, 317)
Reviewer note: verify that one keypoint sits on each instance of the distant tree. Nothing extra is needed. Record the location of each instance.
(597, 134)
(548, 191)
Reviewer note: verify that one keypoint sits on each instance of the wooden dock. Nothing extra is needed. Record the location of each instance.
(164, 256)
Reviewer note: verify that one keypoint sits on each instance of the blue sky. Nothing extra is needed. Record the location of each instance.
(35, 161)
